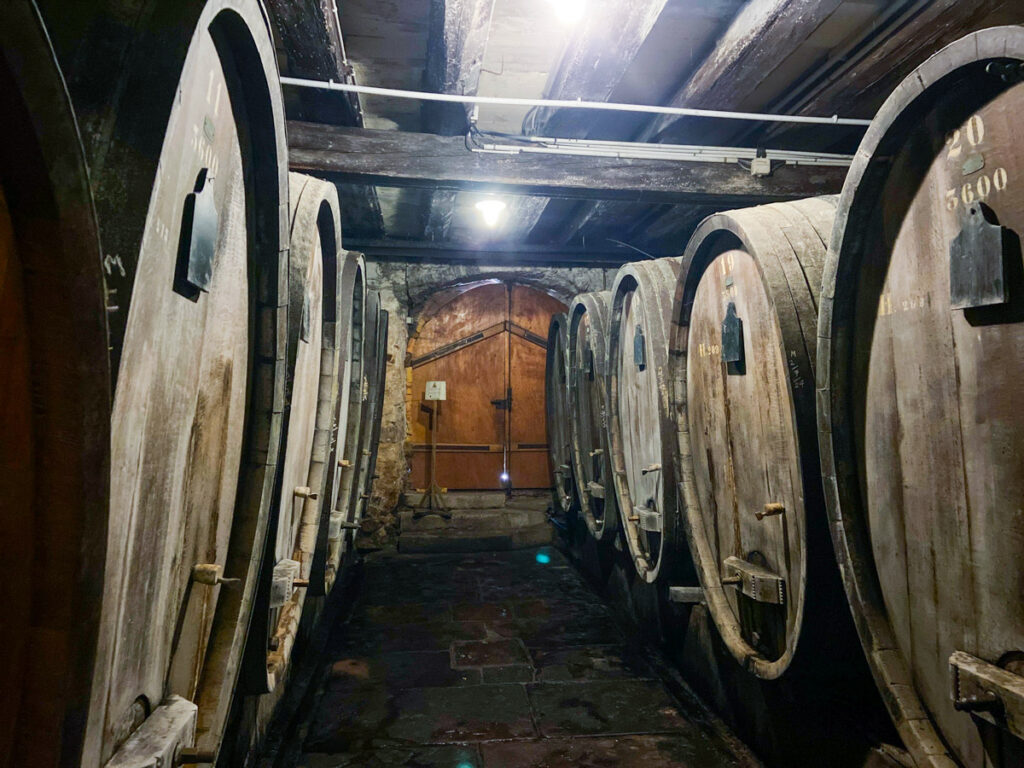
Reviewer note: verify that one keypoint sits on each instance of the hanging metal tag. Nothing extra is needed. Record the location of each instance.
(197, 246)
(977, 260)
(732, 336)
(639, 349)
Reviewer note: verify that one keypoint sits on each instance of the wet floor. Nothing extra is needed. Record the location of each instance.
(497, 660)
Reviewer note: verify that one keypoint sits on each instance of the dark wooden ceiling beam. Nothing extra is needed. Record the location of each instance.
(490, 254)
(403, 159)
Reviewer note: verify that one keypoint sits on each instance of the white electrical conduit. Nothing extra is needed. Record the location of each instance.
(639, 151)
(369, 90)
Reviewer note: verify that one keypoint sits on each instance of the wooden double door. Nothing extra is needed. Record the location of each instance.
(488, 345)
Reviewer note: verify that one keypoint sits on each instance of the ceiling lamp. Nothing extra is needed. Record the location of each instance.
(491, 209)
(569, 12)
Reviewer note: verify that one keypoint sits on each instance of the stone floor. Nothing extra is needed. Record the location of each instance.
(496, 660)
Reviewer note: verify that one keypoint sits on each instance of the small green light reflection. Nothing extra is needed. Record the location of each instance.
(543, 558)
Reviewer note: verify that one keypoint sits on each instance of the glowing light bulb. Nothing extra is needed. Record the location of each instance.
(504, 477)
(491, 210)
(569, 12)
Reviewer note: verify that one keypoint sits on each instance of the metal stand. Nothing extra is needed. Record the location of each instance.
(431, 502)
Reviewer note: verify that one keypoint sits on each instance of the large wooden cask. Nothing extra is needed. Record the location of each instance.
(375, 352)
(920, 359)
(588, 411)
(352, 293)
(188, 160)
(54, 407)
(742, 363)
(315, 264)
(556, 411)
(641, 426)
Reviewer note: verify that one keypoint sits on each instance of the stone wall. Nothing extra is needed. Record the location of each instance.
(411, 291)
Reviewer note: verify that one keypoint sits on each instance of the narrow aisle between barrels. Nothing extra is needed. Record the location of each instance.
(496, 659)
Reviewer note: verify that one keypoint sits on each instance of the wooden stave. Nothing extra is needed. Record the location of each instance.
(906, 108)
(791, 280)
(597, 306)
(126, 113)
(564, 491)
(55, 234)
(660, 277)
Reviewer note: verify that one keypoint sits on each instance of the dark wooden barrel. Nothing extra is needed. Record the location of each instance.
(556, 403)
(920, 360)
(743, 384)
(588, 411)
(188, 160)
(641, 427)
(349, 452)
(373, 346)
(54, 411)
(377, 356)
(352, 295)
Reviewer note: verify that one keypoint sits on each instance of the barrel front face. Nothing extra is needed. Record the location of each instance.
(556, 393)
(641, 432)
(588, 366)
(748, 462)
(924, 434)
(194, 429)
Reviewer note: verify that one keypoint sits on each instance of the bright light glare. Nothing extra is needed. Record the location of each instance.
(491, 209)
(504, 477)
(569, 11)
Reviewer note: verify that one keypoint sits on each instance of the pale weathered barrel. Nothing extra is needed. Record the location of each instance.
(314, 304)
(349, 452)
(54, 412)
(589, 320)
(196, 275)
(743, 384)
(920, 361)
(642, 430)
(556, 400)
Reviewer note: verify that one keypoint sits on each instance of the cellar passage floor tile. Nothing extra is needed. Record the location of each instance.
(494, 660)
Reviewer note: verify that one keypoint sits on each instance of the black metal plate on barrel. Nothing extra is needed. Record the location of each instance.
(198, 244)
(977, 260)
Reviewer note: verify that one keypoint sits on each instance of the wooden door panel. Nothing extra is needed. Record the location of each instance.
(467, 313)
(459, 470)
(532, 309)
(526, 374)
(474, 376)
(529, 468)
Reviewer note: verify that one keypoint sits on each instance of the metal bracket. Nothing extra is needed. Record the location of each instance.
(197, 246)
(648, 519)
(690, 595)
(992, 693)
(732, 336)
(639, 349)
(596, 489)
(755, 581)
(162, 737)
(977, 260)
